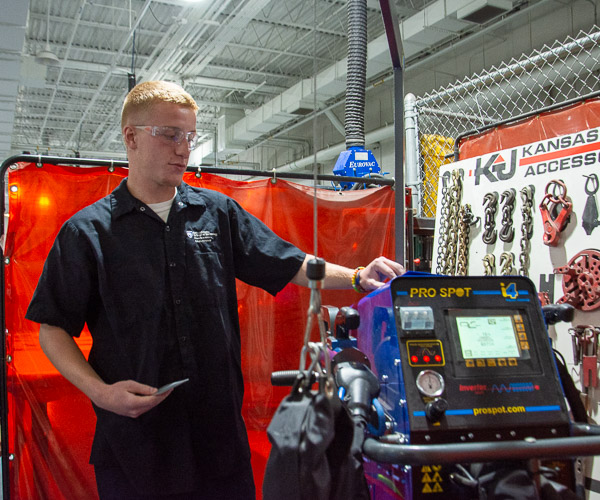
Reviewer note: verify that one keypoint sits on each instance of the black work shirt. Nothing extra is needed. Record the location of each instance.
(160, 302)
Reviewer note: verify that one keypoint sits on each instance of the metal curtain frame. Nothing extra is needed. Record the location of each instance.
(111, 164)
(392, 30)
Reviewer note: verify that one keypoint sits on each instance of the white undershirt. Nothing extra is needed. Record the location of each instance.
(163, 208)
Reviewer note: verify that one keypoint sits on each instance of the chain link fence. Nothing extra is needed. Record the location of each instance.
(553, 75)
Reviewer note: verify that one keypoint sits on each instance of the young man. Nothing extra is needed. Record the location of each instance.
(161, 306)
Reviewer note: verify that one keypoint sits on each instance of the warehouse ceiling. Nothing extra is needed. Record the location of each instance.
(65, 64)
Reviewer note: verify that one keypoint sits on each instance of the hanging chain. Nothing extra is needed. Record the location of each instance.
(453, 223)
(507, 199)
(466, 219)
(527, 194)
(443, 233)
(450, 227)
(447, 242)
(490, 202)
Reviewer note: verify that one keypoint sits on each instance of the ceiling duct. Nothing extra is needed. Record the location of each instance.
(482, 11)
(438, 22)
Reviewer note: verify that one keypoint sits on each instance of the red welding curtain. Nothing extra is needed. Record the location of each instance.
(50, 422)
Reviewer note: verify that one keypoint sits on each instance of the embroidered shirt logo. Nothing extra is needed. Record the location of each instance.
(201, 236)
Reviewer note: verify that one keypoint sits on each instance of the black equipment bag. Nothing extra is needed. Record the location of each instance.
(316, 450)
(510, 481)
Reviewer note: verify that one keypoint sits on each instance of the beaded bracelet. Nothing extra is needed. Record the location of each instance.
(356, 280)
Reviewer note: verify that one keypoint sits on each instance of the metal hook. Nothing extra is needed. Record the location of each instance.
(489, 265)
(469, 217)
(507, 234)
(527, 192)
(506, 263)
(509, 195)
(593, 178)
(490, 198)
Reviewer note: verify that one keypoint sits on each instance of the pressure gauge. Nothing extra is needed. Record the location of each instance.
(430, 383)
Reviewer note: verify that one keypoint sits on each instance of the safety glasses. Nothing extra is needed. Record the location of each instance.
(172, 134)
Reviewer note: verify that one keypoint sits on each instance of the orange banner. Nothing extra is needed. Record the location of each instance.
(580, 116)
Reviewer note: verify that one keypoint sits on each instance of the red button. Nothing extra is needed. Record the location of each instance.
(426, 358)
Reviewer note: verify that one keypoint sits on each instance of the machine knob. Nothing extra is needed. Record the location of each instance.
(435, 410)
(346, 319)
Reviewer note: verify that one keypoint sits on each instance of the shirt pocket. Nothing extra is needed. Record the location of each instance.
(206, 277)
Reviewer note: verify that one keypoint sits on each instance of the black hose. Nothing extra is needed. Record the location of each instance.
(356, 77)
(572, 394)
(288, 378)
(357, 185)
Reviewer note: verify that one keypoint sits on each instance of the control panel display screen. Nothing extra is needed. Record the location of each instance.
(487, 337)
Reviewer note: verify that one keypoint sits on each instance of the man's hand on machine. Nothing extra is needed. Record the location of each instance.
(362, 279)
(129, 398)
(378, 272)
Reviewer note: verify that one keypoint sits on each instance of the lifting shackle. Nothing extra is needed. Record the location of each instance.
(556, 211)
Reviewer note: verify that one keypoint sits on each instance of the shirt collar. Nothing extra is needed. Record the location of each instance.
(189, 195)
(122, 201)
